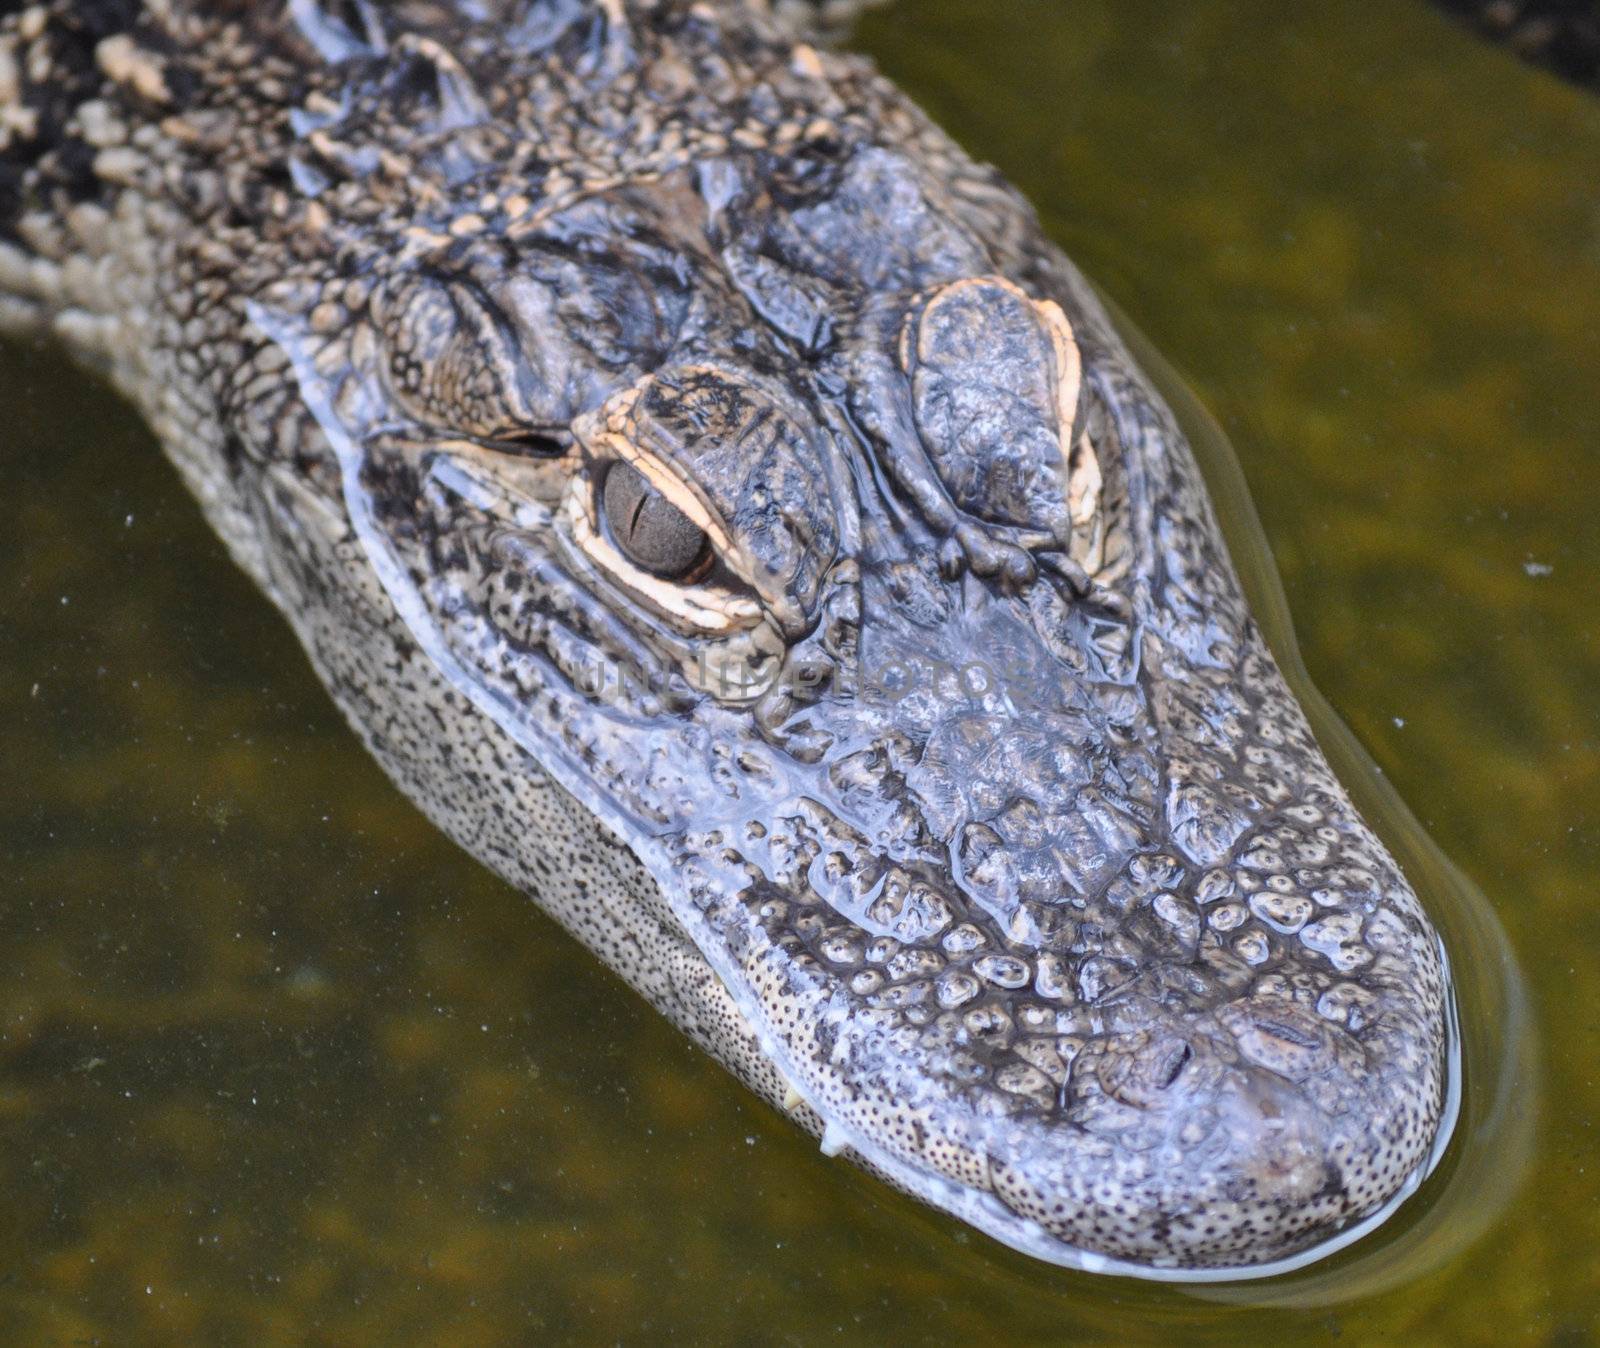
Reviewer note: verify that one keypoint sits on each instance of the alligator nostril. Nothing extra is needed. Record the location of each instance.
(1280, 1037)
(1142, 1072)
(1173, 1066)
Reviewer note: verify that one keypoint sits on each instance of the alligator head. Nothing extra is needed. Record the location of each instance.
(734, 446)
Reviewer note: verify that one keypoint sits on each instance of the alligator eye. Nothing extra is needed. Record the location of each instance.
(652, 532)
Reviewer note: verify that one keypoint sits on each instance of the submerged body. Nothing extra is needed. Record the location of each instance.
(719, 506)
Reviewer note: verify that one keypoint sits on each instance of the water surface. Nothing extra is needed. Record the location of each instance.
(279, 1064)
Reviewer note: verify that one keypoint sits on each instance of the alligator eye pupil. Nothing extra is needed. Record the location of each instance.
(536, 443)
(652, 532)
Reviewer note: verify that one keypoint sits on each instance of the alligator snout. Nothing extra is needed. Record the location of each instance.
(1097, 940)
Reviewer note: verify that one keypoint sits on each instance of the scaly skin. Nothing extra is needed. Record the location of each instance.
(895, 722)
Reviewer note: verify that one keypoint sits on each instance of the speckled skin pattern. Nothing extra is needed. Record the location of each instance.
(952, 798)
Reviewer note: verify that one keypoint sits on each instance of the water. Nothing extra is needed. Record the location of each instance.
(279, 1064)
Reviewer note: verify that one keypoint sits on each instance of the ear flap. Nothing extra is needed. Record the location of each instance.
(446, 357)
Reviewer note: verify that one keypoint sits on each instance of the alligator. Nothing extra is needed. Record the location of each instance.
(719, 506)
(1563, 36)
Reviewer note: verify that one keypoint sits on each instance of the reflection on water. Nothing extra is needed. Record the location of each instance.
(278, 1063)
(1481, 1159)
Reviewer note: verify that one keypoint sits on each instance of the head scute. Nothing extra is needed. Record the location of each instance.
(341, 30)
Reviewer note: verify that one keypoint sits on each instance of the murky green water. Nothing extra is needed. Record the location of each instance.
(278, 1064)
